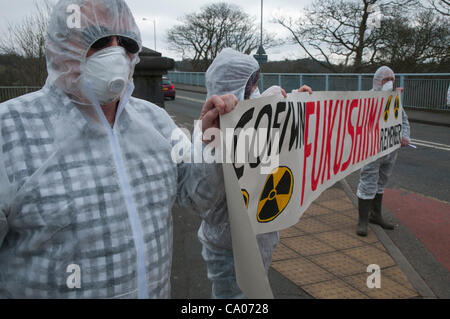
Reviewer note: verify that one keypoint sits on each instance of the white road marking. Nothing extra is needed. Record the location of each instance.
(438, 146)
(432, 143)
(190, 99)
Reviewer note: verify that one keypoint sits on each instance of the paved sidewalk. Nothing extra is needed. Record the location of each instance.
(324, 257)
(441, 118)
(190, 88)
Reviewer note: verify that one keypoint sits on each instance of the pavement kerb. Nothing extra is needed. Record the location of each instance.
(429, 117)
(188, 88)
(428, 122)
(415, 279)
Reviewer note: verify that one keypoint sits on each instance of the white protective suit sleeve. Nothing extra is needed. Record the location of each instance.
(406, 129)
(200, 184)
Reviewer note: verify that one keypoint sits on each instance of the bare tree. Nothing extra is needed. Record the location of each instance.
(26, 39)
(409, 46)
(201, 36)
(339, 31)
(441, 6)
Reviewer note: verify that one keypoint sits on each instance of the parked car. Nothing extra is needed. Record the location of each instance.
(168, 88)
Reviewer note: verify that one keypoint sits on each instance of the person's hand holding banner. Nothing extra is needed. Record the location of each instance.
(215, 106)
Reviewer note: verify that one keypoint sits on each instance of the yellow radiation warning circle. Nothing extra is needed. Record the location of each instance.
(396, 106)
(246, 197)
(276, 194)
(387, 109)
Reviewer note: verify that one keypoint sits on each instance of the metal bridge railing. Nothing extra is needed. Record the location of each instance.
(422, 90)
(10, 92)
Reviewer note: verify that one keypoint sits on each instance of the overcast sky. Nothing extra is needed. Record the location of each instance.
(167, 13)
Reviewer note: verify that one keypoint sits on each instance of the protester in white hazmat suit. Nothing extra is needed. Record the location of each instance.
(87, 182)
(374, 176)
(238, 74)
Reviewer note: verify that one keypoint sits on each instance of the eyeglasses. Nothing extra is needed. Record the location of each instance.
(128, 44)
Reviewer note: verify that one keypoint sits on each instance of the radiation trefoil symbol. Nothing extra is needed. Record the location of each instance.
(246, 197)
(396, 106)
(276, 194)
(387, 109)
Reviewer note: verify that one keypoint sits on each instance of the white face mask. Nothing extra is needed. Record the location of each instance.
(255, 94)
(388, 86)
(108, 72)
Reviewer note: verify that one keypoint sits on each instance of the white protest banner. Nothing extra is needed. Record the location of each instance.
(284, 152)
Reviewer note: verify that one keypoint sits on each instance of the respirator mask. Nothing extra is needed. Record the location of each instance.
(388, 86)
(255, 94)
(108, 72)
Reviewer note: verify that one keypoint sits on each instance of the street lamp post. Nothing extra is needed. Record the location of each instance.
(262, 17)
(261, 55)
(154, 29)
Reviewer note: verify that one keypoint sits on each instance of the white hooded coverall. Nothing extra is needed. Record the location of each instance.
(375, 176)
(229, 74)
(85, 208)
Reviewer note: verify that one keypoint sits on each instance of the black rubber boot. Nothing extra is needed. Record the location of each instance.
(364, 206)
(376, 217)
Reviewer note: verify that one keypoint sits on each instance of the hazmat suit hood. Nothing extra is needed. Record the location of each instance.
(229, 73)
(73, 27)
(382, 73)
